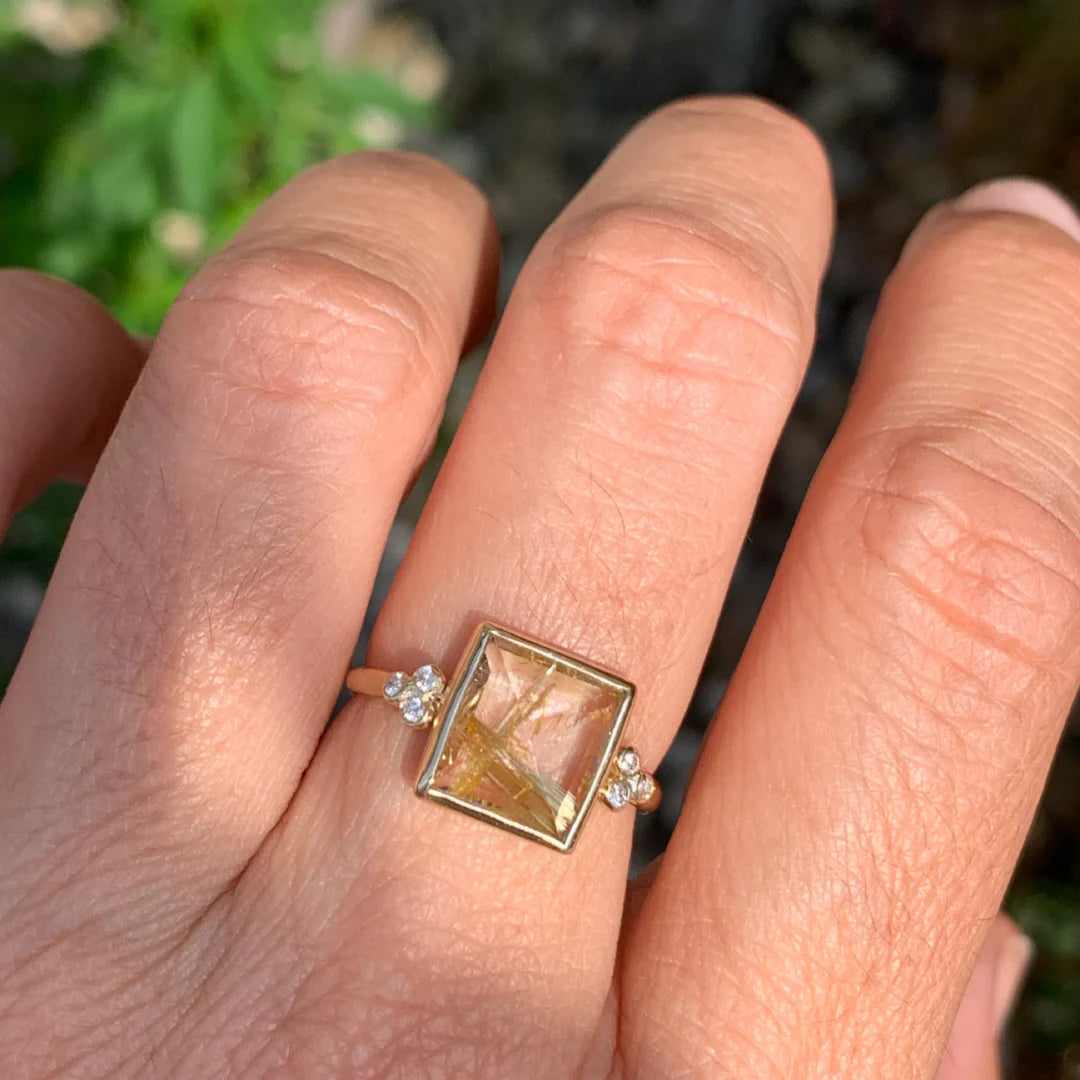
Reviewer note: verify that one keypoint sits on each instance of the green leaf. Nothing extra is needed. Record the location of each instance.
(71, 257)
(130, 109)
(122, 188)
(193, 143)
(247, 64)
(230, 217)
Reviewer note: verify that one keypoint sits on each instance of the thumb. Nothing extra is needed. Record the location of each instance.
(1002, 963)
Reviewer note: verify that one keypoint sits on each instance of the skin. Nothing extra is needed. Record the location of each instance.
(201, 881)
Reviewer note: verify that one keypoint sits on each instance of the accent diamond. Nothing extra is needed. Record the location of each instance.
(628, 761)
(429, 678)
(414, 711)
(617, 794)
(395, 685)
(644, 788)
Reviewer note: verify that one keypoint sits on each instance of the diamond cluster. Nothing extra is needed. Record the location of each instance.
(629, 783)
(418, 695)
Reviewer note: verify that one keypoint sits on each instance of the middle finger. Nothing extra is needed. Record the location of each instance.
(180, 668)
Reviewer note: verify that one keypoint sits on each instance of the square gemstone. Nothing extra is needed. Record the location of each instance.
(526, 736)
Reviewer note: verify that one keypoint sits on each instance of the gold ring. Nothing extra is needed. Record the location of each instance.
(523, 736)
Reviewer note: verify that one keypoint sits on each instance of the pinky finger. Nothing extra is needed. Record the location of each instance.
(972, 1052)
(66, 368)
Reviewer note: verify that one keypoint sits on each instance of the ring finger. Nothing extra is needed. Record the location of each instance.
(595, 497)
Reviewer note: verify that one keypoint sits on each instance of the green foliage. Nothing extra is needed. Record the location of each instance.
(179, 113)
(189, 112)
(1049, 912)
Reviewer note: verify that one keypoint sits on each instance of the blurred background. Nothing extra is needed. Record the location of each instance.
(135, 137)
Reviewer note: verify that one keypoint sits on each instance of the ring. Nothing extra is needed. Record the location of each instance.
(523, 736)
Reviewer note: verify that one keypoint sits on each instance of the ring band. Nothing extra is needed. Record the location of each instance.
(523, 736)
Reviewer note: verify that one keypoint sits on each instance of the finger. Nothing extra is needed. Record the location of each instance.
(66, 367)
(211, 588)
(972, 1050)
(594, 497)
(861, 801)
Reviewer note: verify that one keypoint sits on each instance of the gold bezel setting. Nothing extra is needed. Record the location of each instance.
(450, 710)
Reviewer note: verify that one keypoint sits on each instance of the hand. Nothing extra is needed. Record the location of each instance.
(199, 881)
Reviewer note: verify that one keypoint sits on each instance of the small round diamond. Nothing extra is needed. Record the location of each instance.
(628, 761)
(395, 685)
(429, 678)
(414, 711)
(644, 788)
(617, 794)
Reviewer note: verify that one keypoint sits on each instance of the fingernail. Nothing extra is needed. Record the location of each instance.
(1011, 969)
(1011, 195)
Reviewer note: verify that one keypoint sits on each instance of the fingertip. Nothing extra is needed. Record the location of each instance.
(1013, 963)
(989, 998)
(1020, 195)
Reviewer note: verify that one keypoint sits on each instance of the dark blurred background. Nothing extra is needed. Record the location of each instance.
(135, 137)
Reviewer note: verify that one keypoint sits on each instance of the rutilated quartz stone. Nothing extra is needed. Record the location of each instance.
(529, 736)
